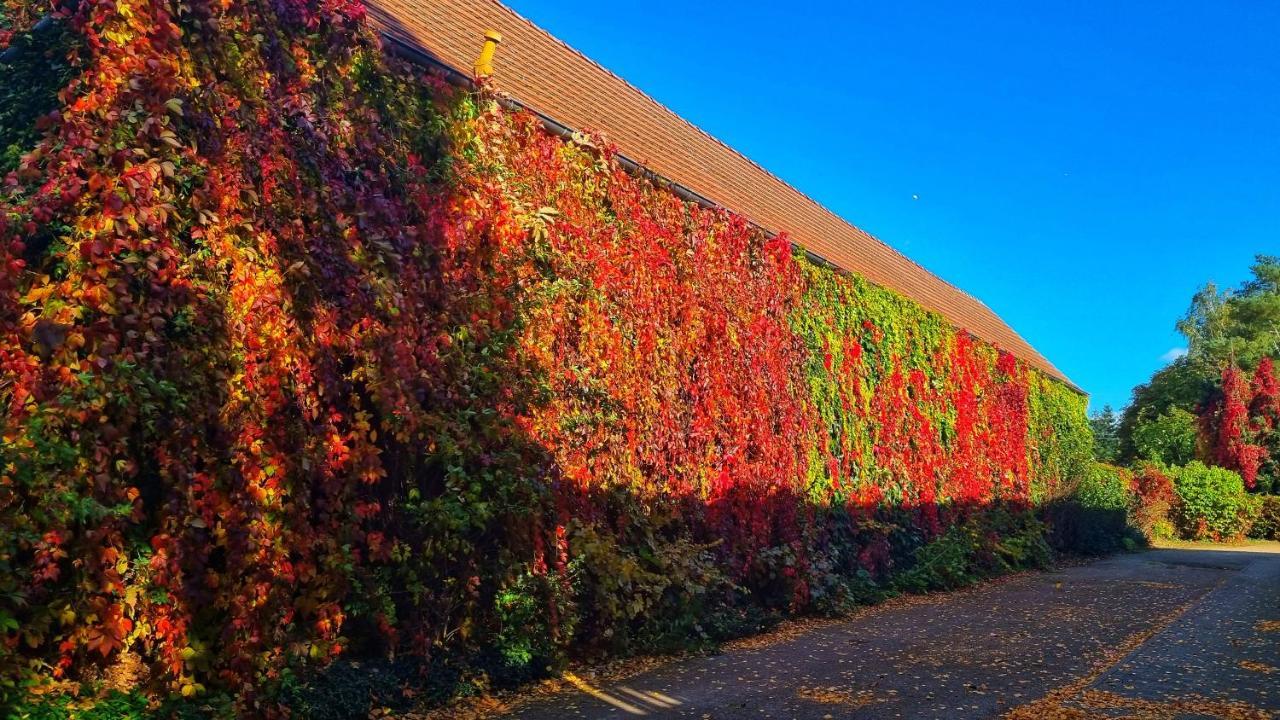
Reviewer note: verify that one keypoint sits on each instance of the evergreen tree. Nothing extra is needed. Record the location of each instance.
(1106, 437)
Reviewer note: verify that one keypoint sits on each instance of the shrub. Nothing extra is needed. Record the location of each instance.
(986, 544)
(851, 556)
(1105, 487)
(1266, 524)
(1153, 497)
(1094, 518)
(114, 706)
(536, 620)
(1211, 502)
(645, 592)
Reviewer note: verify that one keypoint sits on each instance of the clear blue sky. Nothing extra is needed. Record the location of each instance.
(1081, 167)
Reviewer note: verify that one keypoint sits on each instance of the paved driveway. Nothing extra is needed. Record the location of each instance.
(1187, 632)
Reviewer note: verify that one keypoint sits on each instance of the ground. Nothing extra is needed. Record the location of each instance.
(1185, 631)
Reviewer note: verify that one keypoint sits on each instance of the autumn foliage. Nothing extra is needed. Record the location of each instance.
(305, 355)
(1241, 423)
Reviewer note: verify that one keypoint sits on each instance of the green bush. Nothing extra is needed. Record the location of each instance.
(1266, 524)
(537, 619)
(1211, 502)
(1105, 487)
(115, 706)
(984, 545)
(1094, 518)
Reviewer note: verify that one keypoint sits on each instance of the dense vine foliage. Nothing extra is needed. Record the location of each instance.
(305, 355)
(1241, 424)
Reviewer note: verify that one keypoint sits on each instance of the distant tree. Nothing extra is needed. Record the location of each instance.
(1182, 384)
(1239, 326)
(1239, 425)
(1106, 438)
(1231, 328)
(1169, 438)
(1264, 412)
(1205, 325)
(1255, 313)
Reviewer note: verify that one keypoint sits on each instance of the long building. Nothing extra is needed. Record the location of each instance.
(572, 92)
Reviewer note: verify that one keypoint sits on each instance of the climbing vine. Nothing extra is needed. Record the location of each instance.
(306, 355)
(1240, 424)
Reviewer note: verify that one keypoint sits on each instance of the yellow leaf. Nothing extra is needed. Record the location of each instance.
(38, 294)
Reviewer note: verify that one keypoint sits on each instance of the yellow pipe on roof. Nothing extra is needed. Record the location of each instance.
(484, 63)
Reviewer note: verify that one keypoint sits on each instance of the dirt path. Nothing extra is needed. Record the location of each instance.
(1180, 632)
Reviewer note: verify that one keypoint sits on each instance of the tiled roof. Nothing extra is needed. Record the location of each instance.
(553, 79)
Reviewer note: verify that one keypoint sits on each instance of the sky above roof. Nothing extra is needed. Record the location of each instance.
(1080, 168)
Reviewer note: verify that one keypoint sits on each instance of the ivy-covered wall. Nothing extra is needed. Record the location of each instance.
(305, 355)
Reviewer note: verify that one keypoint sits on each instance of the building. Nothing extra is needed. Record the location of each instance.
(570, 91)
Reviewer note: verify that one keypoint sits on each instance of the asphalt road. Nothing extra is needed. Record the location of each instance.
(1169, 633)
